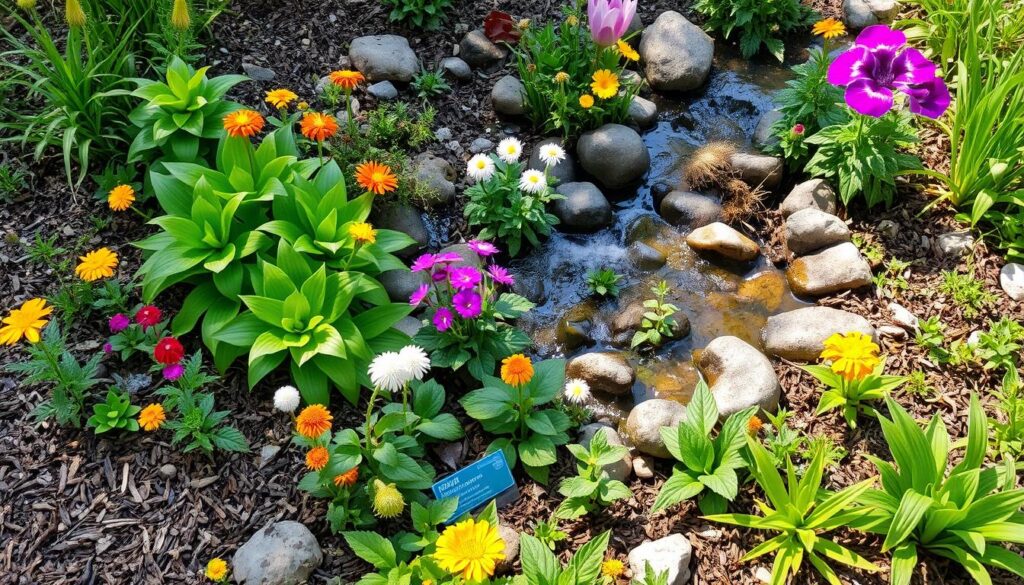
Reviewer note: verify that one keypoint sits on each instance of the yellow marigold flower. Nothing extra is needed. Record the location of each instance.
(26, 4)
(74, 14)
(613, 568)
(280, 98)
(754, 425)
(516, 370)
(376, 178)
(605, 85)
(313, 421)
(853, 355)
(470, 549)
(302, 106)
(362, 232)
(180, 19)
(572, 20)
(26, 321)
(346, 78)
(318, 126)
(96, 265)
(216, 570)
(561, 77)
(349, 478)
(152, 417)
(121, 197)
(829, 28)
(388, 502)
(627, 50)
(243, 123)
(317, 458)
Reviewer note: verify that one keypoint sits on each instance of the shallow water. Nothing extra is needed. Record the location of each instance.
(718, 298)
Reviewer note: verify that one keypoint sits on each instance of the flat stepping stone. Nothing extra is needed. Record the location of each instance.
(838, 268)
(800, 335)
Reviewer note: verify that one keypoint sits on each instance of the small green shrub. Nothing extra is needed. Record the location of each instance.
(759, 22)
(592, 489)
(604, 282)
(116, 413)
(423, 14)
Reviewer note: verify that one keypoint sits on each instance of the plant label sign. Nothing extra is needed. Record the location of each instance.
(478, 483)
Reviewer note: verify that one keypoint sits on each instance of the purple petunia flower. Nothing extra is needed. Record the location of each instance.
(424, 262)
(448, 258)
(878, 64)
(443, 319)
(108, 348)
(464, 277)
(173, 372)
(119, 323)
(467, 303)
(419, 294)
(482, 248)
(501, 275)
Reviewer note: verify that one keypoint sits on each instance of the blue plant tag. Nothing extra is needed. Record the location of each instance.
(477, 483)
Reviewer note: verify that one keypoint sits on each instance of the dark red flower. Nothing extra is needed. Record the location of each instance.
(148, 316)
(168, 351)
(499, 27)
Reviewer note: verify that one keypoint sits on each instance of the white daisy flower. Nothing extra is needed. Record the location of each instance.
(480, 168)
(577, 391)
(416, 361)
(551, 154)
(286, 399)
(510, 149)
(388, 372)
(533, 181)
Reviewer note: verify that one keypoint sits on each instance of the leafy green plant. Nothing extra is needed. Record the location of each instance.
(529, 433)
(430, 83)
(1008, 432)
(548, 533)
(584, 568)
(706, 467)
(834, 452)
(808, 100)
(783, 441)
(657, 324)
(116, 413)
(650, 576)
(13, 180)
(890, 281)
(931, 336)
(862, 156)
(591, 488)
(918, 384)
(197, 424)
(962, 514)
(758, 21)
(853, 396)
(1000, 346)
(604, 282)
(423, 14)
(45, 251)
(801, 512)
(966, 291)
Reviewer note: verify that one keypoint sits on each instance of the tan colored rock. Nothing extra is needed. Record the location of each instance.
(831, 270)
(724, 241)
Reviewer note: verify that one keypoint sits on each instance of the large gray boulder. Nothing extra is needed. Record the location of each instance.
(676, 54)
(605, 371)
(406, 219)
(838, 268)
(689, 210)
(800, 335)
(584, 209)
(811, 229)
(739, 375)
(814, 193)
(283, 553)
(508, 96)
(614, 154)
(384, 58)
(671, 553)
(436, 174)
(644, 423)
(723, 240)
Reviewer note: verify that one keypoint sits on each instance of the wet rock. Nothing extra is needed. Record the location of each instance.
(689, 210)
(864, 13)
(606, 372)
(383, 90)
(903, 317)
(620, 469)
(676, 54)
(739, 376)
(614, 154)
(561, 173)
(630, 320)
(644, 423)
(436, 174)
(815, 193)
(508, 96)
(585, 209)
(257, 73)
(384, 58)
(406, 219)
(758, 170)
(645, 257)
(573, 334)
(767, 289)
(478, 51)
(400, 284)
(800, 335)
(811, 229)
(643, 112)
(457, 68)
(724, 241)
(481, 145)
(643, 466)
(671, 554)
(763, 136)
(282, 553)
(1011, 280)
(409, 325)
(953, 244)
(530, 286)
(510, 536)
(834, 269)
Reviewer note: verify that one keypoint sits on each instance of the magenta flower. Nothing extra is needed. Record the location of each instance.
(424, 262)
(447, 258)
(119, 323)
(878, 65)
(443, 319)
(501, 275)
(440, 274)
(464, 277)
(467, 303)
(421, 293)
(482, 248)
(108, 348)
(173, 372)
(609, 19)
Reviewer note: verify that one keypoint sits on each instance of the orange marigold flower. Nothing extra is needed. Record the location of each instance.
(516, 370)
(152, 417)
(317, 458)
(829, 28)
(96, 265)
(754, 425)
(346, 78)
(121, 197)
(313, 421)
(243, 123)
(318, 126)
(586, 101)
(376, 178)
(348, 478)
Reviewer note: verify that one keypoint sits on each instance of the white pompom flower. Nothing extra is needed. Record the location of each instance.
(533, 181)
(416, 361)
(480, 168)
(551, 154)
(510, 149)
(577, 391)
(286, 399)
(388, 372)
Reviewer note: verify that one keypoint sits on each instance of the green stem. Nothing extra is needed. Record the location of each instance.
(369, 413)
(348, 110)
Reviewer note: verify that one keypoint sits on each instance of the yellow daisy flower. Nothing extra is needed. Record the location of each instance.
(362, 232)
(470, 549)
(829, 28)
(121, 197)
(627, 51)
(280, 98)
(853, 355)
(96, 265)
(605, 85)
(25, 322)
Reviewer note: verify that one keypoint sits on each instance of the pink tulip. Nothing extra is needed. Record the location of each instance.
(609, 19)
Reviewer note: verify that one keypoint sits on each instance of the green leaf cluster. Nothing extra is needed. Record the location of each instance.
(657, 324)
(759, 22)
(604, 282)
(422, 14)
(116, 413)
(807, 99)
(591, 488)
(853, 396)
(192, 415)
(541, 567)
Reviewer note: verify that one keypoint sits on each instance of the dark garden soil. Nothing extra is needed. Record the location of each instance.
(75, 508)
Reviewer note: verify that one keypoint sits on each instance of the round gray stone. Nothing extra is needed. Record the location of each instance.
(814, 193)
(436, 175)
(676, 54)
(282, 553)
(811, 229)
(689, 210)
(740, 376)
(384, 58)
(758, 170)
(478, 51)
(644, 423)
(838, 268)
(605, 371)
(508, 96)
(800, 335)
(585, 209)
(457, 68)
(614, 154)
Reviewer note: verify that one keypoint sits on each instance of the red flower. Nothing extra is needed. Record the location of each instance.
(148, 316)
(168, 351)
(798, 130)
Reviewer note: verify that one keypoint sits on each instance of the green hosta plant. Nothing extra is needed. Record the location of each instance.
(591, 488)
(964, 514)
(707, 467)
(801, 512)
(759, 22)
(327, 325)
(531, 434)
(116, 413)
(853, 396)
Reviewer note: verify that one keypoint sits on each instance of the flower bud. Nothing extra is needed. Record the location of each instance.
(74, 14)
(180, 19)
(388, 502)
